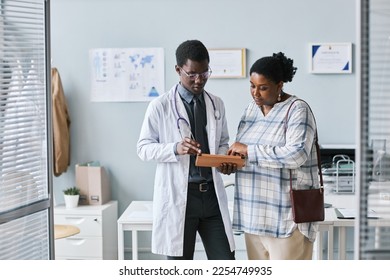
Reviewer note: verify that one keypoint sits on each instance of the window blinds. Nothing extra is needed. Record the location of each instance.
(24, 179)
(373, 240)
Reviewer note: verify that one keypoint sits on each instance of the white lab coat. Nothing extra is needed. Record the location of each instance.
(158, 136)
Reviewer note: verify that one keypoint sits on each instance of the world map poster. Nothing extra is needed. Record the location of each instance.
(126, 75)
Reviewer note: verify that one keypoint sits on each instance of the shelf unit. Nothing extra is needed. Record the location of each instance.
(340, 176)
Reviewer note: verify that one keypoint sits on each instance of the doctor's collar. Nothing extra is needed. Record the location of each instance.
(186, 94)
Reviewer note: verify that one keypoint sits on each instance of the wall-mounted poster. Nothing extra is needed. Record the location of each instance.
(331, 58)
(130, 74)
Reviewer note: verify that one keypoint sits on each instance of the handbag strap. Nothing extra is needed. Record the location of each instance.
(315, 141)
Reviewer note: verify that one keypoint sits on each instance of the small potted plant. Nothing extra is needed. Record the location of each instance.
(71, 196)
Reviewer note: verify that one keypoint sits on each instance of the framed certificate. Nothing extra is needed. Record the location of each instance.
(228, 63)
(331, 58)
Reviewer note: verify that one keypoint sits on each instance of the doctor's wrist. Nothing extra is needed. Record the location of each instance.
(175, 148)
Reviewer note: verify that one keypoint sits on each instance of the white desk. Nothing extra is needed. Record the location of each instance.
(139, 217)
(326, 225)
(338, 200)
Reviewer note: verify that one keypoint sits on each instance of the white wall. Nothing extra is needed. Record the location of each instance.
(108, 132)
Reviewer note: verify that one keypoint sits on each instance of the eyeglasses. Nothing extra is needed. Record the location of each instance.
(193, 77)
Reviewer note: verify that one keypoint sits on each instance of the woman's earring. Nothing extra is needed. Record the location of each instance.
(279, 97)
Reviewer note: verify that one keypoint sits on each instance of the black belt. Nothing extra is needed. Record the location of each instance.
(202, 187)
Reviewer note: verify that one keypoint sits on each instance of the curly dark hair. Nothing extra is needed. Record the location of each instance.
(275, 68)
(193, 50)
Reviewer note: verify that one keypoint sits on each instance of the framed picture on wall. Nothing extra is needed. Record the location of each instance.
(331, 58)
(228, 63)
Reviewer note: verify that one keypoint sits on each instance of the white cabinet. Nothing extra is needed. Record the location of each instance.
(98, 237)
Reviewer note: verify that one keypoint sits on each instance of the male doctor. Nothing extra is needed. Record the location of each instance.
(187, 199)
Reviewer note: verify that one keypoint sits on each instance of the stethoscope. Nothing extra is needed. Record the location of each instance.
(217, 115)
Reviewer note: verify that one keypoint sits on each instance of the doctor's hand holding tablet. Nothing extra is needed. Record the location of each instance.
(226, 164)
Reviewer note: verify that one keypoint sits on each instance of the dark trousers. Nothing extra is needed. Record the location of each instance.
(203, 216)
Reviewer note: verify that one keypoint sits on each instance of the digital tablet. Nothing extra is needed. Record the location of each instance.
(207, 160)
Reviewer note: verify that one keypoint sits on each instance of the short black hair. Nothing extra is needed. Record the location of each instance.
(275, 68)
(193, 50)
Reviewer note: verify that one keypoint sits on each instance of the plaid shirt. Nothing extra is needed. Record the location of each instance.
(262, 203)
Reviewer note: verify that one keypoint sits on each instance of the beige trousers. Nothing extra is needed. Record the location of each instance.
(295, 247)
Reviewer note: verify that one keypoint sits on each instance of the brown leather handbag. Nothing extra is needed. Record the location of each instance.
(308, 204)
